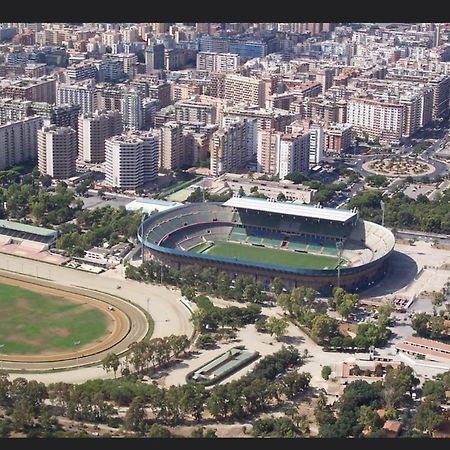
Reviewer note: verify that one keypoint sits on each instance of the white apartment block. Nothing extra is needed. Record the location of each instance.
(132, 107)
(18, 141)
(376, 120)
(293, 154)
(81, 93)
(240, 89)
(93, 130)
(124, 162)
(217, 62)
(57, 151)
(282, 153)
(316, 145)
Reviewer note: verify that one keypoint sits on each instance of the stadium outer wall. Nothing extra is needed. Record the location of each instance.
(352, 279)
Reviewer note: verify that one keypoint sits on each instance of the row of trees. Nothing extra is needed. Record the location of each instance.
(428, 326)
(207, 280)
(146, 355)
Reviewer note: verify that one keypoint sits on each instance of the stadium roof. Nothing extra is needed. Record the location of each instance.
(16, 226)
(292, 209)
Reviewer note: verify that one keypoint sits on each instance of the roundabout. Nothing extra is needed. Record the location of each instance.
(398, 167)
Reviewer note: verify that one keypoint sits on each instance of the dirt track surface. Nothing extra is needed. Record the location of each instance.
(118, 321)
(169, 314)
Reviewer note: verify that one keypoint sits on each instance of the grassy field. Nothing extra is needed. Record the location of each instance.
(269, 255)
(31, 323)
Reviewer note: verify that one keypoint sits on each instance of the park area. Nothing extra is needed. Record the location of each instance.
(37, 323)
(266, 255)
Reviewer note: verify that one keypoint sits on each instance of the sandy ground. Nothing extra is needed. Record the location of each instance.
(265, 345)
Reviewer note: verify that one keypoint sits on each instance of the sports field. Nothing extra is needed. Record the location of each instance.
(31, 323)
(267, 255)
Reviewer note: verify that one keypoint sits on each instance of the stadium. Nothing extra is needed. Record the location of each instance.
(301, 244)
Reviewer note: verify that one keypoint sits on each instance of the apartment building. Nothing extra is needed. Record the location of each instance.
(195, 112)
(338, 137)
(131, 159)
(57, 151)
(80, 93)
(93, 130)
(240, 89)
(229, 146)
(132, 108)
(218, 62)
(37, 90)
(376, 120)
(171, 146)
(18, 141)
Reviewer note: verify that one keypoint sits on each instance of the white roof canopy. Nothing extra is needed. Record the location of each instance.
(292, 209)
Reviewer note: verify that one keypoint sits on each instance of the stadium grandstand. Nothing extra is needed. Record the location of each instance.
(301, 244)
(27, 236)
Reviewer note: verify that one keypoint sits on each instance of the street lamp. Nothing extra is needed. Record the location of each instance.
(76, 351)
(339, 248)
(1, 346)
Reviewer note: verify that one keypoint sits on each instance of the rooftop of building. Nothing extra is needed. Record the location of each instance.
(312, 212)
(16, 226)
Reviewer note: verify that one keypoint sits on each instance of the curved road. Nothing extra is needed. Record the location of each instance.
(170, 316)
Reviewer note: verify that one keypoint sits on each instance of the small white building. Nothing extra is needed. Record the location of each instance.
(148, 205)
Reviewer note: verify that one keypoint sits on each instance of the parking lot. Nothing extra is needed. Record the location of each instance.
(94, 201)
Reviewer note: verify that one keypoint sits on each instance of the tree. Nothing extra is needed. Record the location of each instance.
(429, 416)
(295, 382)
(111, 361)
(46, 180)
(437, 327)
(324, 327)
(202, 432)
(369, 418)
(419, 323)
(326, 372)
(158, 431)
(139, 190)
(277, 285)
(135, 416)
(189, 292)
(397, 383)
(438, 299)
(22, 415)
(241, 191)
(276, 326)
(281, 197)
(204, 341)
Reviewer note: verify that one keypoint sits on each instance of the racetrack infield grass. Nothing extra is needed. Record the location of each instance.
(31, 323)
(271, 255)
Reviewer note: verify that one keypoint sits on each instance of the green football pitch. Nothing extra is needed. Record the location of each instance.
(31, 323)
(267, 255)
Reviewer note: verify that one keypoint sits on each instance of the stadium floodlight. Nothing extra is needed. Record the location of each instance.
(339, 248)
(382, 210)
